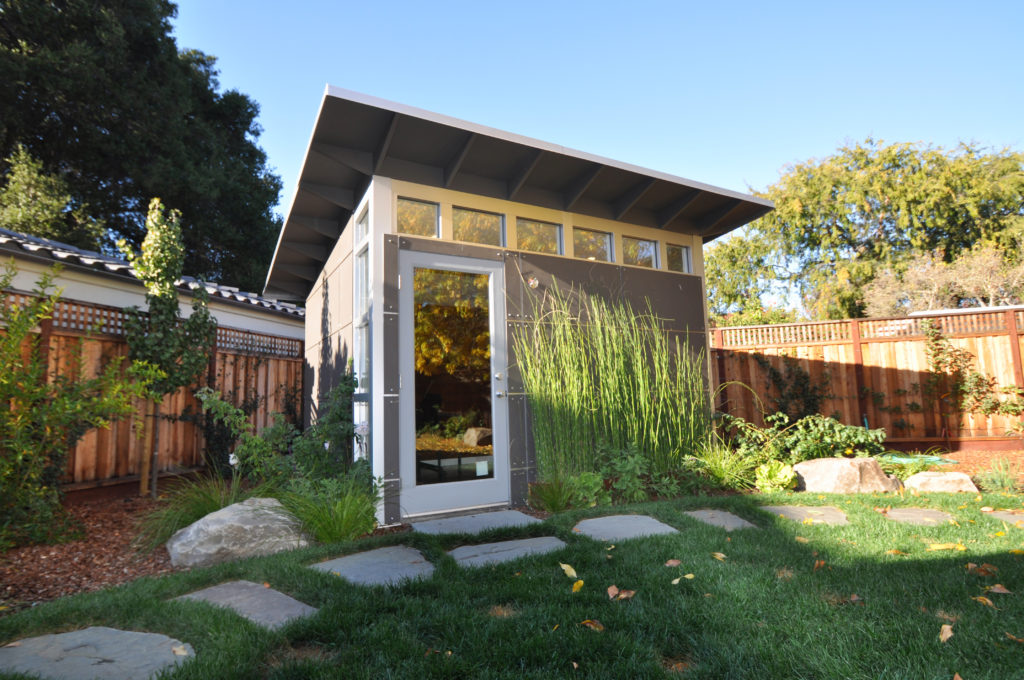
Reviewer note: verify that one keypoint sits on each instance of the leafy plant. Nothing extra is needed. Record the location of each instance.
(553, 495)
(43, 414)
(626, 468)
(795, 393)
(810, 437)
(724, 467)
(589, 490)
(774, 476)
(1003, 476)
(333, 510)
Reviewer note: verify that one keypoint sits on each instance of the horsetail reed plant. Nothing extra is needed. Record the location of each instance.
(612, 377)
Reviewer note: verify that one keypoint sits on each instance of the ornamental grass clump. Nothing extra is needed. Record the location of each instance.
(609, 377)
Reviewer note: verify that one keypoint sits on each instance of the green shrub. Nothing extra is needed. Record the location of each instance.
(554, 495)
(1003, 477)
(333, 510)
(627, 469)
(724, 467)
(589, 490)
(43, 414)
(774, 476)
(810, 437)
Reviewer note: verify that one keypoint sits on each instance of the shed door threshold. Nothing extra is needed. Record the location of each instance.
(456, 512)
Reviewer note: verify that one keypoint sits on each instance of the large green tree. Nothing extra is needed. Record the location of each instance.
(841, 221)
(99, 92)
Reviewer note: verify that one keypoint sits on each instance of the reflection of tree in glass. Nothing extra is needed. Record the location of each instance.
(452, 321)
(590, 245)
(417, 218)
(540, 237)
(638, 252)
(476, 226)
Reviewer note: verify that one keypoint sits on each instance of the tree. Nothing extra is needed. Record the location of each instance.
(180, 349)
(100, 94)
(739, 275)
(840, 222)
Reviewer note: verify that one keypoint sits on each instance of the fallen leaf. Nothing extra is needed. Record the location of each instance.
(556, 627)
(673, 563)
(611, 547)
(593, 624)
(956, 676)
(985, 569)
(266, 584)
(856, 599)
(895, 552)
(676, 580)
(499, 611)
(945, 632)
(613, 591)
(808, 520)
(998, 589)
(719, 556)
(569, 571)
(626, 594)
(1015, 638)
(946, 546)
(18, 644)
(952, 618)
(954, 522)
(179, 650)
(1017, 552)
(999, 533)
(801, 539)
(785, 573)
(575, 665)
(576, 586)
(985, 601)
(818, 564)
(988, 509)
(708, 595)
(688, 576)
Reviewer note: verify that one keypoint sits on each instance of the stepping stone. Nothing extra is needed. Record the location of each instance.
(474, 524)
(720, 518)
(622, 527)
(824, 514)
(96, 652)
(504, 551)
(1011, 517)
(261, 605)
(922, 516)
(380, 567)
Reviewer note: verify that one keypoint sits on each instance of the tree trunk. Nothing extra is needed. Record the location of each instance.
(147, 447)
(155, 467)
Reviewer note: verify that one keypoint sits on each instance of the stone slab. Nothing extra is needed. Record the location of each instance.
(261, 605)
(720, 518)
(922, 516)
(504, 551)
(940, 482)
(824, 514)
(474, 524)
(380, 567)
(622, 527)
(92, 653)
(1011, 517)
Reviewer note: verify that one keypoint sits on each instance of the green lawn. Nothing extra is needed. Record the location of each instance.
(765, 611)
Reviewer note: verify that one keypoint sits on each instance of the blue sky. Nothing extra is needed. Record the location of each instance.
(723, 93)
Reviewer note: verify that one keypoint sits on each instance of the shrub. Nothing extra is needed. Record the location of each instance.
(724, 467)
(810, 437)
(43, 414)
(553, 495)
(774, 476)
(333, 510)
(1003, 476)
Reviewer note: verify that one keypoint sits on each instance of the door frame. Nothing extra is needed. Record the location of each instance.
(449, 496)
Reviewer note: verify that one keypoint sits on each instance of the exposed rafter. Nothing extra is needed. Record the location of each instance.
(312, 250)
(519, 180)
(581, 184)
(360, 161)
(676, 208)
(329, 228)
(453, 168)
(385, 144)
(301, 271)
(707, 223)
(623, 203)
(343, 198)
(284, 290)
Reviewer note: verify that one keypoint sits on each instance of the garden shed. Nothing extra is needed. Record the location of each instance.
(419, 243)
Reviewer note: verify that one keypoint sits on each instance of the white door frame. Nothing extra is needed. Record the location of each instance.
(446, 496)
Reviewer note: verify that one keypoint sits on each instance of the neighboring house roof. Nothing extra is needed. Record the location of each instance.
(357, 136)
(42, 249)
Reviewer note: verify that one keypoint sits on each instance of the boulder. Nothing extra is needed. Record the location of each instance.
(843, 475)
(941, 482)
(477, 436)
(257, 526)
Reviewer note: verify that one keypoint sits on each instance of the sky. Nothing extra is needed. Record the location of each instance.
(726, 93)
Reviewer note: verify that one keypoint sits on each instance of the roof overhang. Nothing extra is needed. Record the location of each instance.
(357, 136)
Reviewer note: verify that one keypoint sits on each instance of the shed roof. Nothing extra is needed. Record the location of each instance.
(357, 136)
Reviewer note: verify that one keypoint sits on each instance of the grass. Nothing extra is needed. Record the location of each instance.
(766, 611)
(1003, 476)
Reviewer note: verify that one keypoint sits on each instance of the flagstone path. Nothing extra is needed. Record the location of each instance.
(1013, 517)
(99, 652)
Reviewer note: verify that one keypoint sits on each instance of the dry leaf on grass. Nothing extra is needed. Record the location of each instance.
(785, 573)
(179, 650)
(895, 552)
(500, 611)
(613, 591)
(593, 624)
(818, 564)
(998, 589)
(576, 586)
(673, 563)
(718, 556)
(952, 618)
(801, 539)
(985, 569)
(985, 601)
(946, 546)
(945, 632)
(1017, 552)
(615, 594)
(266, 584)
(676, 580)
(569, 571)
(1015, 638)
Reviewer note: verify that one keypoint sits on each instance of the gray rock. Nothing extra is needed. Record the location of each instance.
(843, 475)
(822, 514)
(622, 527)
(504, 551)
(941, 482)
(380, 567)
(920, 516)
(720, 518)
(477, 436)
(257, 526)
(259, 604)
(94, 653)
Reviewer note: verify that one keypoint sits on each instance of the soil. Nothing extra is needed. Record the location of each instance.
(105, 556)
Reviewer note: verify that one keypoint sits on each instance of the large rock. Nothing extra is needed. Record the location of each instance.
(257, 526)
(941, 482)
(843, 475)
(477, 436)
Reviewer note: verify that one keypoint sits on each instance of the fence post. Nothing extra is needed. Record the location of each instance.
(1013, 332)
(723, 399)
(858, 371)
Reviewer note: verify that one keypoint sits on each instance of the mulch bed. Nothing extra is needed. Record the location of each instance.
(105, 556)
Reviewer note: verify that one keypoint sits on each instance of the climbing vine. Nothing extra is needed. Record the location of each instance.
(796, 394)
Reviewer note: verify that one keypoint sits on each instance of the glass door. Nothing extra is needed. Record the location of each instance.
(452, 405)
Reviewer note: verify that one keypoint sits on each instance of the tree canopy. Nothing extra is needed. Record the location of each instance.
(871, 208)
(98, 92)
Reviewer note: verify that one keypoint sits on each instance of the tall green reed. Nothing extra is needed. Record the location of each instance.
(608, 375)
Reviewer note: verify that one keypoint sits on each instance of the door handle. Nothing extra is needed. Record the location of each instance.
(499, 395)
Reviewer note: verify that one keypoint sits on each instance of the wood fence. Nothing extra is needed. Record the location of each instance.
(260, 368)
(875, 371)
